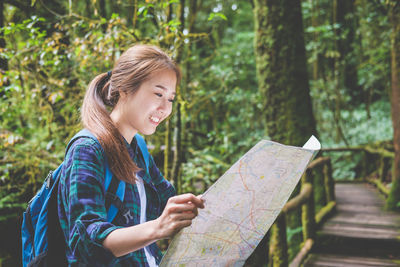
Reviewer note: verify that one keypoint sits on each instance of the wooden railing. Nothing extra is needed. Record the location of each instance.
(376, 164)
(310, 220)
(374, 170)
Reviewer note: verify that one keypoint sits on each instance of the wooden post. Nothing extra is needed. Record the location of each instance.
(383, 168)
(278, 243)
(308, 209)
(320, 193)
(364, 172)
(394, 18)
(260, 256)
(329, 182)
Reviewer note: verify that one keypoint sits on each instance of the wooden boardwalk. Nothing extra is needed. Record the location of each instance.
(360, 233)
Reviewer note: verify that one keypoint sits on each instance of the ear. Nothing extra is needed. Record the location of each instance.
(123, 97)
(122, 94)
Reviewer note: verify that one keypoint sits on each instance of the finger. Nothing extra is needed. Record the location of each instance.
(178, 208)
(183, 223)
(201, 198)
(189, 197)
(194, 211)
(190, 208)
(183, 216)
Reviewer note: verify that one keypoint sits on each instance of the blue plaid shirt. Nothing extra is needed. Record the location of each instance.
(81, 205)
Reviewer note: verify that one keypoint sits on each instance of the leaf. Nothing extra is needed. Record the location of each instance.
(218, 14)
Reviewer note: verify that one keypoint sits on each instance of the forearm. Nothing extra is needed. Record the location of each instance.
(125, 240)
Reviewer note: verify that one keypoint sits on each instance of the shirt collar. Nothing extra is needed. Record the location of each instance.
(132, 145)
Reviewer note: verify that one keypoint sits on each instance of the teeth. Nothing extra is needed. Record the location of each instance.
(155, 119)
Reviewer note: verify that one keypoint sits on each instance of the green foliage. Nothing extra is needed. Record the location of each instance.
(52, 59)
(50, 67)
(27, 118)
(217, 14)
(41, 96)
(291, 232)
(360, 129)
(374, 31)
(363, 115)
(232, 131)
(324, 45)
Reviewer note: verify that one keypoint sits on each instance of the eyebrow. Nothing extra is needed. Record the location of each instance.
(162, 87)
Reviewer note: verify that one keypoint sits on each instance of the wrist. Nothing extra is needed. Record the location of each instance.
(155, 230)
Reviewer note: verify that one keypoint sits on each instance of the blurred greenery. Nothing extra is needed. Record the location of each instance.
(53, 52)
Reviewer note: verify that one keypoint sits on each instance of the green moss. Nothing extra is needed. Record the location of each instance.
(319, 188)
(308, 220)
(394, 195)
(324, 212)
(284, 86)
(294, 222)
(278, 243)
(381, 187)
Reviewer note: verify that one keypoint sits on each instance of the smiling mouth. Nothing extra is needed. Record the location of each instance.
(155, 120)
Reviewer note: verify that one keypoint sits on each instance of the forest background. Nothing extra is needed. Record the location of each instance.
(277, 70)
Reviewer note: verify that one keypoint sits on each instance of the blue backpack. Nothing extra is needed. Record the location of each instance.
(42, 237)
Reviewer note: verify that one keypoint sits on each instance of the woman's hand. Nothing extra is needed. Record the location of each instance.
(178, 213)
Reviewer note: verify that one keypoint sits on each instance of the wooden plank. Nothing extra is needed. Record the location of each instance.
(384, 220)
(340, 260)
(360, 209)
(360, 215)
(360, 230)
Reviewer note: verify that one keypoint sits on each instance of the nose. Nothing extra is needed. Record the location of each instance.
(164, 107)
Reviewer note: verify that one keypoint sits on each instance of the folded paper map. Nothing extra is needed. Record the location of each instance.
(241, 206)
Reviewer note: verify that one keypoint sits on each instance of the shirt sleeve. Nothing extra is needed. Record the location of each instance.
(87, 215)
(164, 188)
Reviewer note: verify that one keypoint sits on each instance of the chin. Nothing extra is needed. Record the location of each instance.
(148, 132)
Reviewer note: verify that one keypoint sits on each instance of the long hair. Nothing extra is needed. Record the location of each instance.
(132, 68)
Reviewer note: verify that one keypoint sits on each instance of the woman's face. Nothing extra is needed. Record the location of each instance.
(151, 103)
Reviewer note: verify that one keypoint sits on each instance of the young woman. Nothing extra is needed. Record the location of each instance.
(134, 97)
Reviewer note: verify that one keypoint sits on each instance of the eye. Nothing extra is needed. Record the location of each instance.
(160, 95)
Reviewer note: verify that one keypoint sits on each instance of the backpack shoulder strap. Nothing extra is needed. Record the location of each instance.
(116, 188)
(112, 185)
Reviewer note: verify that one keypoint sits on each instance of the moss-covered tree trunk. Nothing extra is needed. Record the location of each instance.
(337, 70)
(344, 15)
(167, 148)
(394, 16)
(315, 23)
(3, 61)
(168, 127)
(278, 247)
(177, 160)
(283, 79)
(282, 71)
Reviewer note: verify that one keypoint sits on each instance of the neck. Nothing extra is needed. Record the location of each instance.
(126, 131)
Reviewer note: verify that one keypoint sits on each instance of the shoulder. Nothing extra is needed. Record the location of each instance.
(84, 166)
(85, 148)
